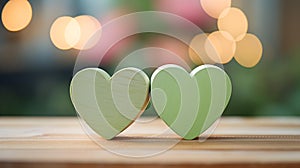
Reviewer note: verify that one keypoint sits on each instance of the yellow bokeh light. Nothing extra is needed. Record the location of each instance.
(233, 21)
(80, 33)
(61, 31)
(220, 47)
(72, 32)
(248, 51)
(197, 51)
(16, 15)
(88, 31)
(215, 7)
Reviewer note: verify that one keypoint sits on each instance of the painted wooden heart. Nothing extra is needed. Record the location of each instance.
(109, 104)
(190, 103)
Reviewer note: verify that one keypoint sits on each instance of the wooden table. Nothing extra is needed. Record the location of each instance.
(237, 142)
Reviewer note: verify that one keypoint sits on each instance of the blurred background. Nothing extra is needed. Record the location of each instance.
(35, 74)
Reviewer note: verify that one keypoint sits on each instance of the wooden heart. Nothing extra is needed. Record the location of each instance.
(190, 103)
(109, 104)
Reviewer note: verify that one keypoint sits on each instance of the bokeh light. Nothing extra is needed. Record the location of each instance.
(58, 33)
(197, 51)
(248, 51)
(72, 32)
(16, 15)
(88, 28)
(220, 47)
(233, 21)
(215, 7)
(80, 32)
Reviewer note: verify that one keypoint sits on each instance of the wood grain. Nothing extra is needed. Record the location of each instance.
(237, 142)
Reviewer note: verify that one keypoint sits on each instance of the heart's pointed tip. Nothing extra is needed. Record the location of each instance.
(111, 137)
(190, 138)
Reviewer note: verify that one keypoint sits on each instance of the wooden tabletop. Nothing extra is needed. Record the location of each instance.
(236, 142)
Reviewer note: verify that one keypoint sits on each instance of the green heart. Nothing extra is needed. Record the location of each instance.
(109, 104)
(190, 103)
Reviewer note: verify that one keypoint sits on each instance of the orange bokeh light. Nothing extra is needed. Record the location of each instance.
(58, 32)
(72, 32)
(16, 15)
(89, 34)
(220, 47)
(215, 7)
(249, 51)
(233, 21)
(197, 51)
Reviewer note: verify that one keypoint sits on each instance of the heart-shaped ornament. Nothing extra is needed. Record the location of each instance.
(190, 103)
(109, 104)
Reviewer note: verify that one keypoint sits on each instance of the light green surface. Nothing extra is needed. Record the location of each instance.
(190, 103)
(109, 104)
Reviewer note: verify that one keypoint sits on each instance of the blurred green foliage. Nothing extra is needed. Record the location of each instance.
(271, 88)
